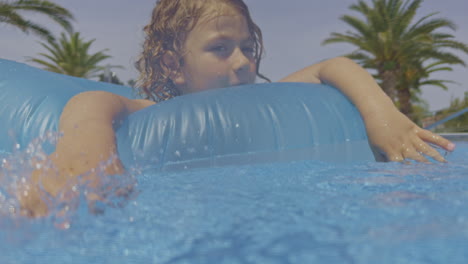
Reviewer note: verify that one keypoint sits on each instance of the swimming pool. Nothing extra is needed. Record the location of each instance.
(297, 212)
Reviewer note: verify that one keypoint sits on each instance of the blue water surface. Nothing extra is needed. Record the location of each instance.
(298, 212)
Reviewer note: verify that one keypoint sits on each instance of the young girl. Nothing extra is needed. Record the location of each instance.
(195, 45)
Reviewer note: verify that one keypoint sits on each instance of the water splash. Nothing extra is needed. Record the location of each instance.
(79, 195)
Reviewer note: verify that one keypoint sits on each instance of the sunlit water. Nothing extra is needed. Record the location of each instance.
(299, 212)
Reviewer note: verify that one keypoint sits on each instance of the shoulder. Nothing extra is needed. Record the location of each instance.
(103, 99)
(102, 103)
(142, 103)
(93, 97)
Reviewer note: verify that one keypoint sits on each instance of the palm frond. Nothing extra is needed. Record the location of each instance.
(391, 41)
(70, 55)
(10, 13)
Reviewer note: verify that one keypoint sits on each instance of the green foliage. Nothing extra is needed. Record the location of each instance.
(132, 83)
(11, 13)
(459, 124)
(404, 52)
(420, 111)
(110, 77)
(70, 56)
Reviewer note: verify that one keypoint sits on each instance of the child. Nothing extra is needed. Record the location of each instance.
(195, 45)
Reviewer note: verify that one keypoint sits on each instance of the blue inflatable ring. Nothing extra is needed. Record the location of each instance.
(238, 125)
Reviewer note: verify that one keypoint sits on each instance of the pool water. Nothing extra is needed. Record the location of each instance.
(298, 212)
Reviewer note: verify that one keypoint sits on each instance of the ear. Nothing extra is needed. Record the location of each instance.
(171, 66)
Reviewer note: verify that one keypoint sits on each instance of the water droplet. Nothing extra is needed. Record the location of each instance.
(11, 209)
(191, 150)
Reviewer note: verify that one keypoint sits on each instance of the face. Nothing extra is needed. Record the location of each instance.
(219, 53)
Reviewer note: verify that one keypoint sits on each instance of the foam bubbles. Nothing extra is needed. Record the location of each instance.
(94, 191)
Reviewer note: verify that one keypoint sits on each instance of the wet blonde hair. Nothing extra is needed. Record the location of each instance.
(170, 23)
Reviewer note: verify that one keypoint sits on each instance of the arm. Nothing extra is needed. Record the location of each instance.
(390, 132)
(87, 126)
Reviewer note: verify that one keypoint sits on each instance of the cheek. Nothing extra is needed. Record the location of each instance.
(253, 71)
(216, 71)
(210, 77)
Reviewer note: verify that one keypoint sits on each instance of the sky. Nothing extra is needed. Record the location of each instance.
(293, 31)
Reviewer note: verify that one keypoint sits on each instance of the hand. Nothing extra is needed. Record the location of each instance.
(52, 190)
(43, 189)
(393, 137)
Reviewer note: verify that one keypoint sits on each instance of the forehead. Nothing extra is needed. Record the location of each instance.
(221, 18)
(212, 9)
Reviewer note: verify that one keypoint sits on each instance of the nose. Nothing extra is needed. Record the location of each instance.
(241, 65)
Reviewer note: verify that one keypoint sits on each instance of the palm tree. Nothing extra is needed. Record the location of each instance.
(402, 52)
(10, 14)
(70, 56)
(417, 74)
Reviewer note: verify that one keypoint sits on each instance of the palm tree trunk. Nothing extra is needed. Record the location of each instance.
(389, 83)
(404, 99)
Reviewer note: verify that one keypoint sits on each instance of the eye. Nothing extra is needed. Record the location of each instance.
(219, 48)
(248, 49)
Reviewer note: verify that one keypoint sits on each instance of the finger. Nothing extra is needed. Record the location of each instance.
(416, 156)
(31, 203)
(96, 203)
(430, 137)
(427, 150)
(395, 156)
(410, 152)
